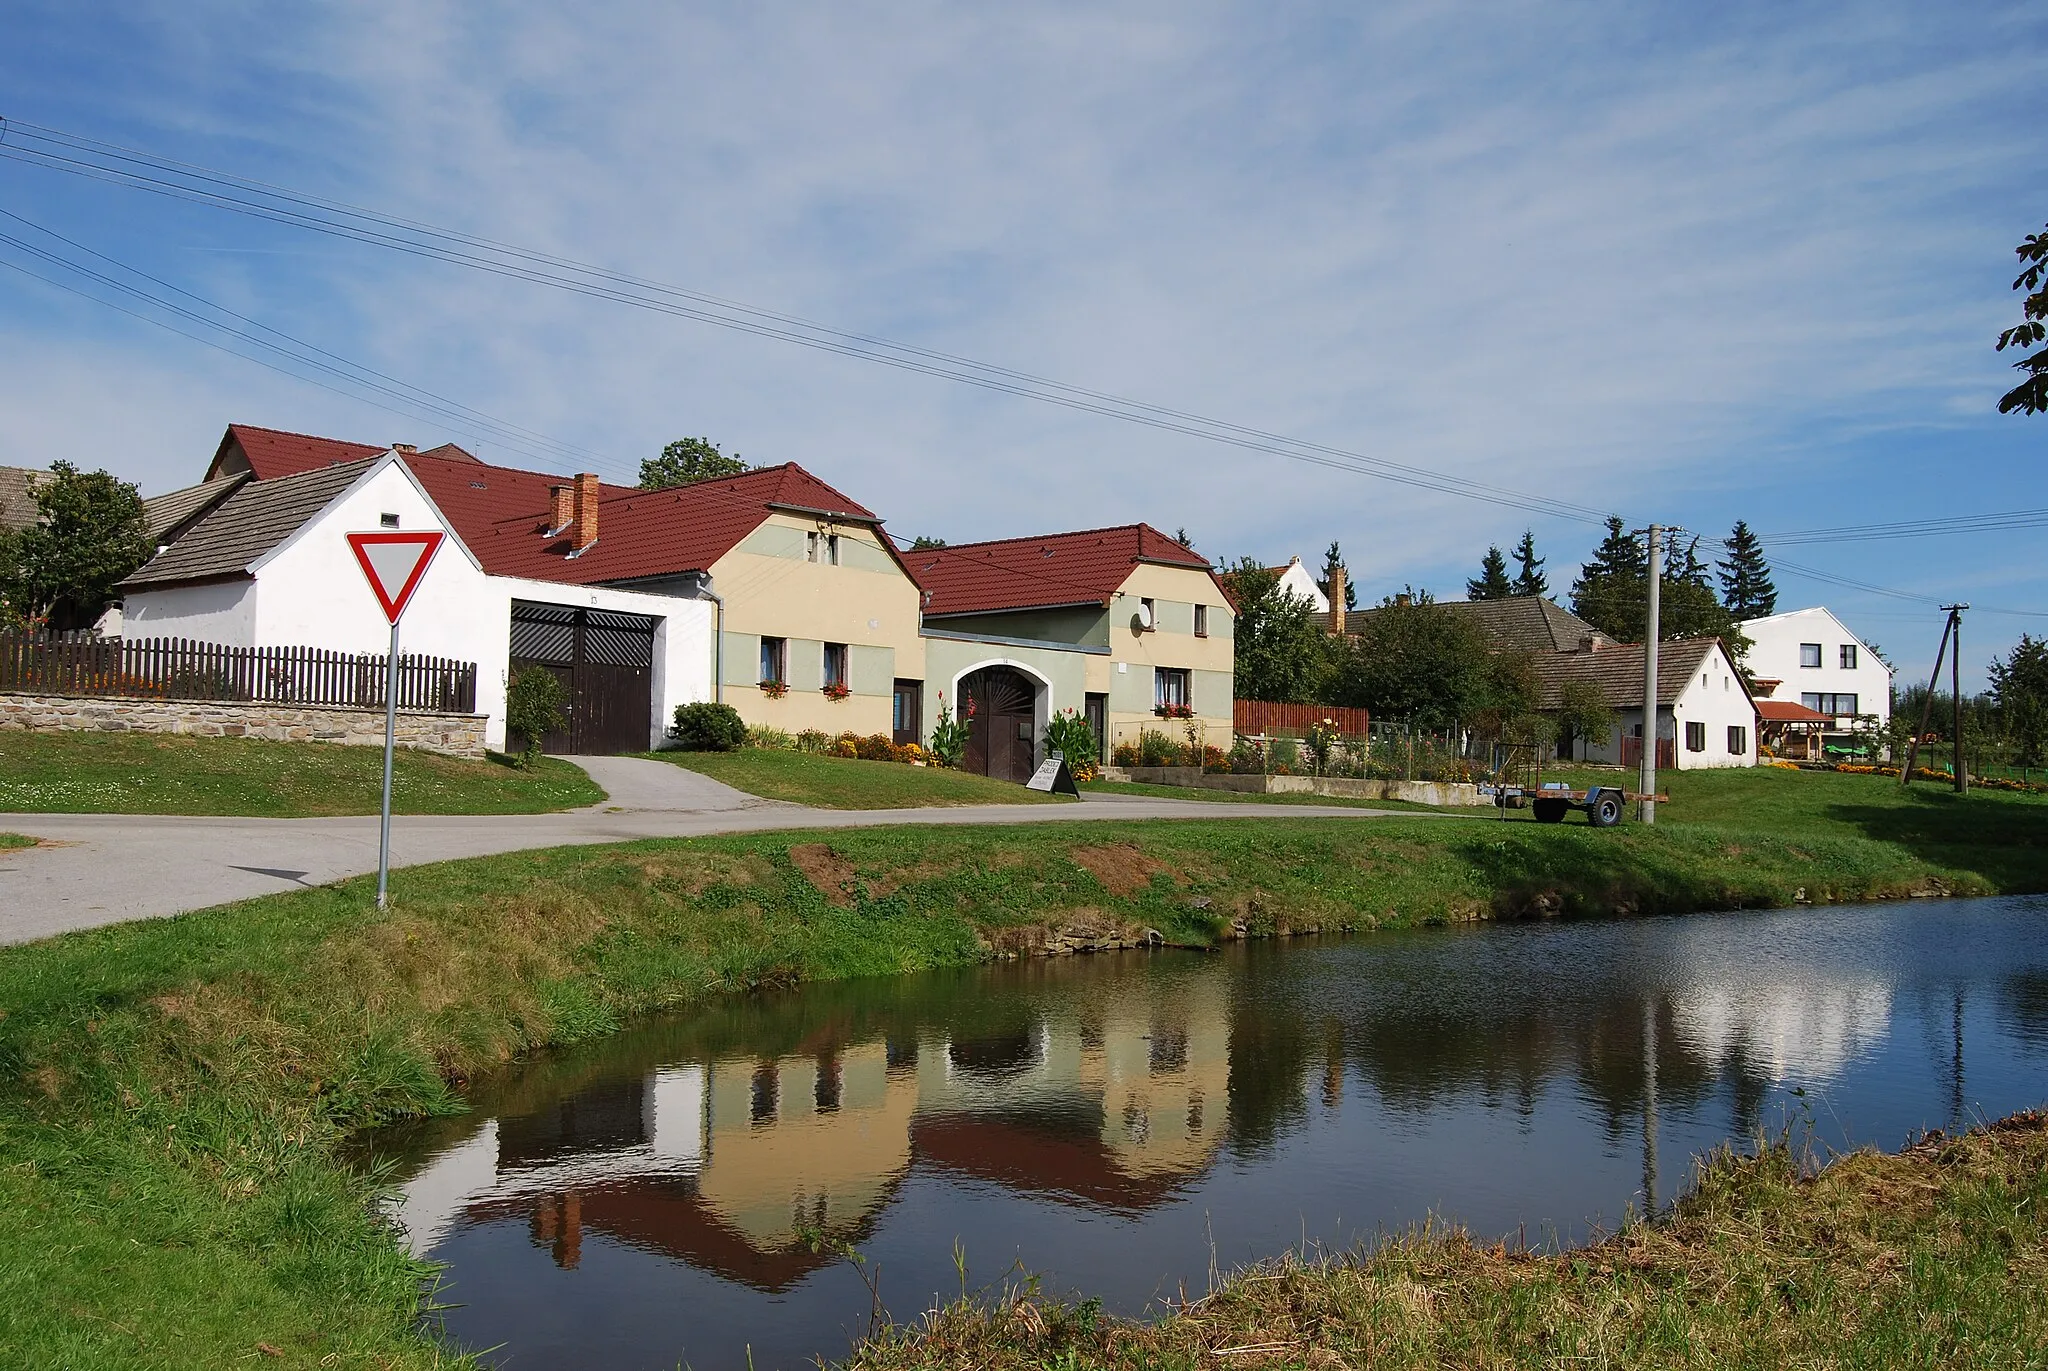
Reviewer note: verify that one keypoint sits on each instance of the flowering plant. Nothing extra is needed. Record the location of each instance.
(837, 690)
(949, 735)
(1174, 711)
(774, 690)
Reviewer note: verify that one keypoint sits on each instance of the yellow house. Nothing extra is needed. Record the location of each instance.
(1123, 624)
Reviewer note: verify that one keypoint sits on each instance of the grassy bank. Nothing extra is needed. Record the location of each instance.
(1147, 791)
(809, 778)
(174, 1093)
(1935, 1257)
(149, 773)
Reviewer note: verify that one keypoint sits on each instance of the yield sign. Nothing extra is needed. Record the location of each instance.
(394, 563)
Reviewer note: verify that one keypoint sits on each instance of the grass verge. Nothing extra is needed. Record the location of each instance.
(1934, 1257)
(154, 773)
(174, 1094)
(11, 840)
(1200, 793)
(808, 778)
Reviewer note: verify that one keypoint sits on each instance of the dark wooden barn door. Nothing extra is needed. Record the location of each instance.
(1000, 742)
(605, 661)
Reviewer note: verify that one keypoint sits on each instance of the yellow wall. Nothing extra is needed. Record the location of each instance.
(1126, 675)
(771, 590)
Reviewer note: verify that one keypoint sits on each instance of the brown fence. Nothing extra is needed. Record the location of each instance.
(181, 669)
(1263, 717)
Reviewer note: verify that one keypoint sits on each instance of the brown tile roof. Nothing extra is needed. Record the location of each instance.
(1786, 712)
(171, 513)
(1084, 567)
(1618, 671)
(249, 523)
(1521, 623)
(17, 496)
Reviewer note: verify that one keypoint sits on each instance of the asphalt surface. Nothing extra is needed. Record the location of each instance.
(93, 869)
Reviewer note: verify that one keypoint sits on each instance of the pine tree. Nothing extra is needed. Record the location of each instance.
(1492, 582)
(1692, 570)
(1529, 578)
(1746, 577)
(1609, 593)
(1333, 559)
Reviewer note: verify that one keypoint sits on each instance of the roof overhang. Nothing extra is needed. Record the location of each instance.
(837, 516)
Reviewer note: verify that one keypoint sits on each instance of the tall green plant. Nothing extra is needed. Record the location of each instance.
(533, 709)
(949, 735)
(1068, 734)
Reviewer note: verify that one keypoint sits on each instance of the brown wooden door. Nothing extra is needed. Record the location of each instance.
(1001, 741)
(605, 661)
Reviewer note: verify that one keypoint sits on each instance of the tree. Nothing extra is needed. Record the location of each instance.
(1492, 582)
(1745, 576)
(1281, 651)
(1415, 661)
(90, 534)
(1180, 535)
(2031, 395)
(1691, 569)
(1609, 592)
(1529, 577)
(686, 460)
(925, 543)
(1333, 559)
(2019, 689)
(1582, 712)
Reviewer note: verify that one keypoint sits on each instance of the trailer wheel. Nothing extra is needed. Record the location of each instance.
(1606, 811)
(1551, 811)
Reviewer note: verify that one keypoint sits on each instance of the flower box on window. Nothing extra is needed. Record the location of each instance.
(1174, 711)
(774, 690)
(837, 690)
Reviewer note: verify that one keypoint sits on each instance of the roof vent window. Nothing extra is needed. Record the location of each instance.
(388, 520)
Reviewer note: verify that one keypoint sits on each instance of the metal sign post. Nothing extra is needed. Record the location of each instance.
(394, 564)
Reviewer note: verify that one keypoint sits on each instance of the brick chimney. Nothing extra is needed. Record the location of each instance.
(409, 449)
(586, 511)
(1337, 599)
(1589, 644)
(563, 508)
(1404, 599)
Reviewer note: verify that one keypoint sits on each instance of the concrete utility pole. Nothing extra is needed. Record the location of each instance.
(1646, 773)
(1955, 688)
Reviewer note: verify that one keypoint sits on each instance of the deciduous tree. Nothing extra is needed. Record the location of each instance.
(2031, 395)
(2019, 688)
(1281, 652)
(1492, 582)
(90, 533)
(1416, 662)
(925, 543)
(686, 460)
(1745, 576)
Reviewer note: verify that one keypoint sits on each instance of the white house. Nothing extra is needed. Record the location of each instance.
(270, 566)
(1810, 657)
(1706, 717)
(1294, 577)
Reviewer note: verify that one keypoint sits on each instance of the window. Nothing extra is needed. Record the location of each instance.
(835, 664)
(1695, 737)
(1201, 621)
(1823, 703)
(1169, 687)
(1848, 656)
(387, 520)
(1809, 654)
(1738, 741)
(832, 549)
(1148, 614)
(822, 548)
(774, 659)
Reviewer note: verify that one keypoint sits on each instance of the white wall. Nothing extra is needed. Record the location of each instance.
(1714, 698)
(1298, 580)
(310, 592)
(1775, 656)
(224, 612)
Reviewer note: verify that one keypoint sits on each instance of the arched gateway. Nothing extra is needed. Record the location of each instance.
(997, 701)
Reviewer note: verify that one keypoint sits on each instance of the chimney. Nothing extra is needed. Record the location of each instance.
(563, 508)
(408, 449)
(586, 511)
(1589, 644)
(1404, 599)
(1337, 599)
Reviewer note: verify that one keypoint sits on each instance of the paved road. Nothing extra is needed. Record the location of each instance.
(93, 869)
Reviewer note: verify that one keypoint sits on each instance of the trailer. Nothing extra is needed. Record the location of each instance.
(1601, 804)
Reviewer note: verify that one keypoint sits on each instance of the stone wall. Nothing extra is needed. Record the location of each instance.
(1446, 793)
(458, 735)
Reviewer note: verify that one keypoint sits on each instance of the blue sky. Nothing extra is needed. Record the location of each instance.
(1688, 263)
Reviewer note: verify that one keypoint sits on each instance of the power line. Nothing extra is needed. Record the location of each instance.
(1911, 528)
(136, 169)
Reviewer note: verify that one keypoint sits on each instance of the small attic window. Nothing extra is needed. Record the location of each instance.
(387, 520)
(478, 485)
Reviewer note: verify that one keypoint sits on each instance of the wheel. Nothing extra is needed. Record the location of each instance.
(1605, 812)
(1551, 811)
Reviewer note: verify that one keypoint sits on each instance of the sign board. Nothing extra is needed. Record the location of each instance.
(393, 563)
(1053, 778)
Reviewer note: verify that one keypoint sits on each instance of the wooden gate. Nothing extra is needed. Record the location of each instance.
(604, 660)
(1000, 738)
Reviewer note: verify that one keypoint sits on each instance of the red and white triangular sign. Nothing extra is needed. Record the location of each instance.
(394, 563)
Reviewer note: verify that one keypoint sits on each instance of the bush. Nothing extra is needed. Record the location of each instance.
(1126, 754)
(876, 747)
(1286, 755)
(708, 727)
(1246, 759)
(533, 709)
(1068, 734)
(949, 736)
(846, 745)
(1215, 761)
(775, 739)
(814, 740)
(1156, 749)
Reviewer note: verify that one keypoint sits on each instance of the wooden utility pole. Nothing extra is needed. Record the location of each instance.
(1646, 770)
(1950, 630)
(1955, 688)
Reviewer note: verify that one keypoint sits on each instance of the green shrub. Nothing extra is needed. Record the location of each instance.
(533, 708)
(949, 735)
(708, 727)
(1156, 749)
(814, 740)
(876, 747)
(1068, 734)
(776, 739)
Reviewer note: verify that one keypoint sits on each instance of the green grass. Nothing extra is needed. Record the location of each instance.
(808, 778)
(1932, 1258)
(9, 840)
(1188, 792)
(153, 773)
(175, 1094)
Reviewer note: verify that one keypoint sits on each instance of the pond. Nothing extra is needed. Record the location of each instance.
(1118, 1125)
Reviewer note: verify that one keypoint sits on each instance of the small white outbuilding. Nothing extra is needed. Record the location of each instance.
(1706, 717)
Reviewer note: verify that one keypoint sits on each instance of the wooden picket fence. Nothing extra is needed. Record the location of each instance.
(1256, 718)
(183, 669)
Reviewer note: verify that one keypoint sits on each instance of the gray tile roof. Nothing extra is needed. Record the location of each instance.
(171, 513)
(17, 503)
(1618, 671)
(247, 524)
(1523, 623)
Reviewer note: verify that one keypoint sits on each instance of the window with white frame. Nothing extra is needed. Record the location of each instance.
(835, 664)
(1838, 705)
(1201, 621)
(1809, 654)
(1848, 656)
(1169, 687)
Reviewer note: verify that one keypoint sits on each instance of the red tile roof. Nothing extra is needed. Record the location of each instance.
(273, 453)
(1786, 712)
(1035, 573)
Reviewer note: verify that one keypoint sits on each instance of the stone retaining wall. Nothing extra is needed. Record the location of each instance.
(458, 735)
(1447, 793)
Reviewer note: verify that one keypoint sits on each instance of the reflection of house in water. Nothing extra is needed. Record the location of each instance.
(737, 1165)
(1821, 1024)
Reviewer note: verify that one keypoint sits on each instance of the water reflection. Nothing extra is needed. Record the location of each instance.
(1106, 1120)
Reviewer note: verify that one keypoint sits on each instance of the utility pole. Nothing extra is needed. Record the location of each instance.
(1927, 704)
(1955, 689)
(1646, 771)
(1952, 649)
